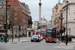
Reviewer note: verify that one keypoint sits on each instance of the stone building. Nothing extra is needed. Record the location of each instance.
(55, 10)
(69, 11)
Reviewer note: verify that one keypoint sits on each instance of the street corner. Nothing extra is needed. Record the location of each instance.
(72, 45)
(58, 41)
(64, 47)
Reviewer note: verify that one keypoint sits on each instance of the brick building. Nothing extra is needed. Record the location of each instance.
(2, 14)
(19, 13)
(58, 20)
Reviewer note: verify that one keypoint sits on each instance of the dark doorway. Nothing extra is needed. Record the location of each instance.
(29, 34)
(33, 33)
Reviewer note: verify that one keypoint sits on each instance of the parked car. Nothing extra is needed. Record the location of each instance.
(35, 38)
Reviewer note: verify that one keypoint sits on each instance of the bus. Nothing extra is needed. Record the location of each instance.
(51, 33)
(43, 33)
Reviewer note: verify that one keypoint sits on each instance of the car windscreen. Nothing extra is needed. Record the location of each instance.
(35, 36)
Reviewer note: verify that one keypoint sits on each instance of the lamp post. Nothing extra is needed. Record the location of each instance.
(6, 21)
(66, 24)
(69, 31)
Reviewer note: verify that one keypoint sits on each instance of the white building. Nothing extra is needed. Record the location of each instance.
(35, 25)
(43, 22)
(69, 9)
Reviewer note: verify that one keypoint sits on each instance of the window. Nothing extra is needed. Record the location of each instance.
(0, 6)
(0, 1)
(15, 14)
(3, 1)
(0, 17)
(15, 9)
(0, 23)
(4, 6)
(15, 19)
(67, 1)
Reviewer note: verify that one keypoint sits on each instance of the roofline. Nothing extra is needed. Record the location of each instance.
(67, 5)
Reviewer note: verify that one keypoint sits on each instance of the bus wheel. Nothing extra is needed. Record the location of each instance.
(46, 41)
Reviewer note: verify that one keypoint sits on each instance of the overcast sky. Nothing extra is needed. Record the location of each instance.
(46, 7)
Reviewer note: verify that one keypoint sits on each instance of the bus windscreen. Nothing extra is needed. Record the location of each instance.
(42, 32)
(51, 32)
(51, 27)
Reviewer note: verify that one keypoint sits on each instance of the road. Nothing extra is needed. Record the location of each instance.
(34, 46)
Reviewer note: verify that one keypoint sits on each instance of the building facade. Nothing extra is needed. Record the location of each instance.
(69, 11)
(55, 10)
(19, 12)
(59, 20)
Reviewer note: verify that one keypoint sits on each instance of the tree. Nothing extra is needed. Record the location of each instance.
(11, 18)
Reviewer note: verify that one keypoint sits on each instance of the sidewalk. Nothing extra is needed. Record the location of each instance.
(15, 40)
(72, 43)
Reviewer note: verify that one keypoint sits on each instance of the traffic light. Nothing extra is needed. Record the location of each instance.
(61, 31)
(19, 28)
(9, 26)
(64, 29)
(5, 26)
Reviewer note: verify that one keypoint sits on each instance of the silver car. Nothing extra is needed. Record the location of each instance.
(35, 38)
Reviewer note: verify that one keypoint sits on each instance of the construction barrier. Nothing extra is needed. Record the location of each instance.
(2, 39)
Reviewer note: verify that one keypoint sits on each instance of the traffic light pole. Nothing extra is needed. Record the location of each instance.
(6, 17)
(19, 34)
(5, 39)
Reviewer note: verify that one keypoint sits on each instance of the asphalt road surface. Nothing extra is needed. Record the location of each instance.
(34, 46)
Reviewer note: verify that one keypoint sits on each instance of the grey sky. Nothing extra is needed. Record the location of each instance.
(46, 11)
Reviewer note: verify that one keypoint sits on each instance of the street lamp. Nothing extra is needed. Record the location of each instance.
(6, 21)
(66, 24)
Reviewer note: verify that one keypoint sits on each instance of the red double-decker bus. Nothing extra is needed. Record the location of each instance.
(42, 33)
(51, 33)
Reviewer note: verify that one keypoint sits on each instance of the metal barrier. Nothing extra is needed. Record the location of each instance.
(8, 39)
(2, 39)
